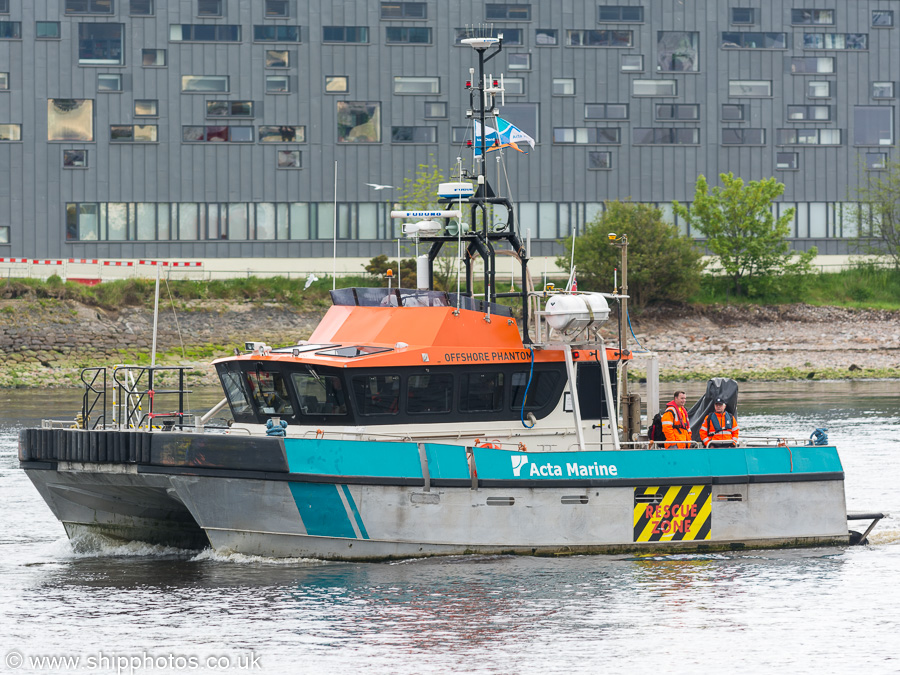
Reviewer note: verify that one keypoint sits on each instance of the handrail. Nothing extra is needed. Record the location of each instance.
(130, 391)
(89, 388)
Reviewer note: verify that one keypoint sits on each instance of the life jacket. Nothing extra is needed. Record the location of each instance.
(729, 421)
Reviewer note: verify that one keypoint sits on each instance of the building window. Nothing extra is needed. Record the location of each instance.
(754, 40)
(4, 81)
(563, 86)
(209, 7)
(587, 135)
(677, 51)
(278, 58)
(89, 7)
(4, 6)
(100, 44)
(514, 86)
(276, 33)
(435, 110)
(70, 119)
(806, 65)
(10, 132)
(141, 8)
(204, 84)
(519, 61)
(818, 89)
(882, 18)
(337, 84)
(153, 58)
(873, 125)
(133, 133)
(733, 112)
(404, 10)
(606, 111)
(407, 35)
(809, 113)
(599, 160)
(882, 90)
(835, 41)
(346, 34)
(620, 13)
(288, 159)
(217, 134)
(277, 9)
(743, 16)
(229, 109)
(507, 12)
(808, 136)
(10, 30)
(660, 136)
(743, 136)
(512, 37)
(750, 88)
(204, 32)
(282, 134)
(358, 122)
(679, 111)
(75, 159)
(278, 84)
(546, 37)
(413, 134)
(459, 135)
(46, 30)
(632, 63)
(109, 82)
(654, 88)
(146, 108)
(417, 85)
(876, 161)
(812, 17)
(599, 38)
(787, 161)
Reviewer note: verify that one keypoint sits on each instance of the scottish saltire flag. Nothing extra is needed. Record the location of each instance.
(506, 135)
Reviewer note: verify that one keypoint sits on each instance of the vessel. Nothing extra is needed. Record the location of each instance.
(418, 422)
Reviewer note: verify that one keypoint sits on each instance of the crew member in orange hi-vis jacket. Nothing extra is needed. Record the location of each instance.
(720, 428)
(675, 423)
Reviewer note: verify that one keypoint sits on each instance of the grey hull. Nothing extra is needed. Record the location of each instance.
(373, 522)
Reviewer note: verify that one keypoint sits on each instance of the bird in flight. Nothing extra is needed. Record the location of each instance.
(376, 186)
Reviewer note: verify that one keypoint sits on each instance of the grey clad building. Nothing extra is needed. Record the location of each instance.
(210, 128)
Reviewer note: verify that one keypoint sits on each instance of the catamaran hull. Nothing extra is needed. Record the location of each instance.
(283, 518)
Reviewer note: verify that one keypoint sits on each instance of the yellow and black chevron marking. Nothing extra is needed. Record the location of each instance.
(672, 513)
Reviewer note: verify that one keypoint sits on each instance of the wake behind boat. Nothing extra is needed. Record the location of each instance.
(417, 422)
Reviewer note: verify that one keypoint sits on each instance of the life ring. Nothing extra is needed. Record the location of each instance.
(494, 444)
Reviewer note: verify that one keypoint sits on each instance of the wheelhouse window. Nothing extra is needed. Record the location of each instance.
(481, 392)
(429, 393)
(236, 390)
(319, 394)
(543, 389)
(100, 44)
(376, 394)
(269, 392)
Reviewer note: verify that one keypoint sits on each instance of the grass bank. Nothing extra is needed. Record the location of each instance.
(859, 287)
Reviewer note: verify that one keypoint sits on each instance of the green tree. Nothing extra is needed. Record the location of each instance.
(663, 265)
(877, 210)
(741, 230)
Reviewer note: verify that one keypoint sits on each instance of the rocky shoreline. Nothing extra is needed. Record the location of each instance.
(46, 343)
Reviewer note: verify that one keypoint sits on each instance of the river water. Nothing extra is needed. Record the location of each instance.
(141, 609)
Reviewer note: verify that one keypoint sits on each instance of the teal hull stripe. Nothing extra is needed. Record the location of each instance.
(356, 516)
(322, 510)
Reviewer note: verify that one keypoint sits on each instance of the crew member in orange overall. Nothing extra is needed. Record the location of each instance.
(675, 423)
(720, 428)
